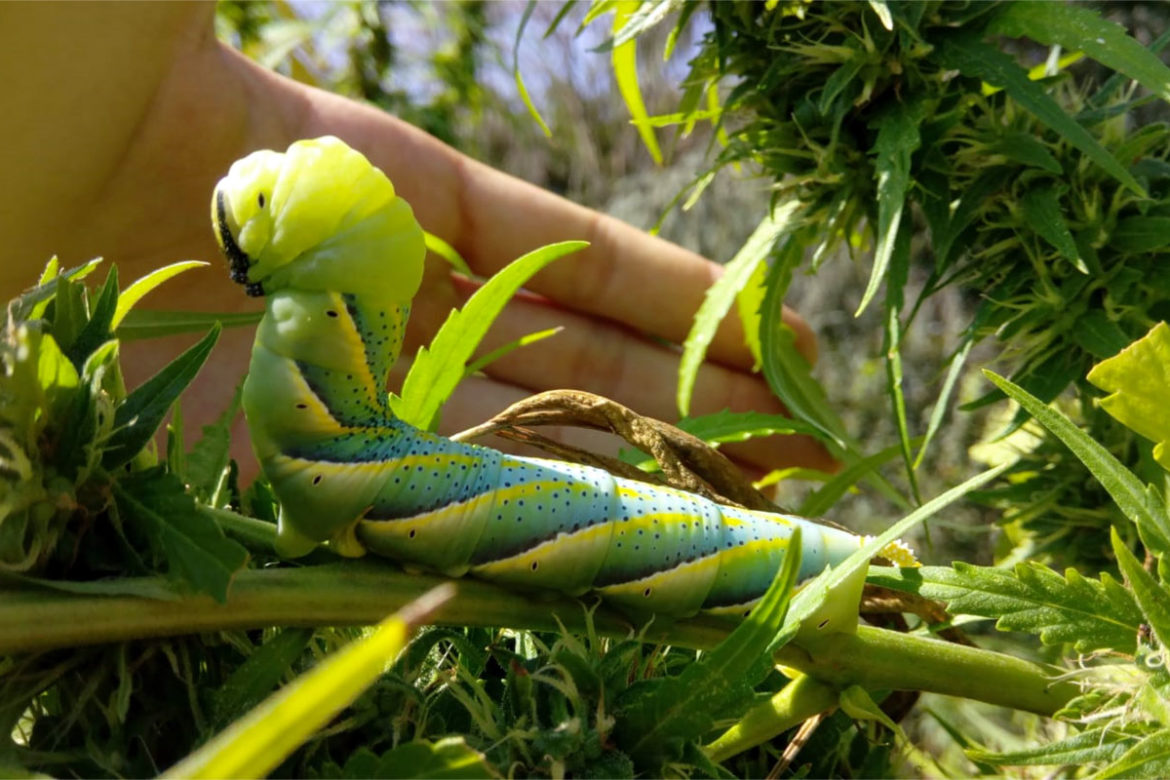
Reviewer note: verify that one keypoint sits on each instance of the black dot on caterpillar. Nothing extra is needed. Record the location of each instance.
(317, 480)
(534, 565)
(260, 200)
(412, 532)
(330, 313)
(302, 406)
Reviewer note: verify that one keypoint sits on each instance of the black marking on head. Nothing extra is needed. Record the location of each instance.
(238, 260)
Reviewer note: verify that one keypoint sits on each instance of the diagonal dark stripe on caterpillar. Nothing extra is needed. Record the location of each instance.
(321, 232)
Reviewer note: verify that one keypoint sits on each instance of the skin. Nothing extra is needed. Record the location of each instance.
(121, 118)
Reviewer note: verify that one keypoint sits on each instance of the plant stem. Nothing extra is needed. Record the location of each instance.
(364, 592)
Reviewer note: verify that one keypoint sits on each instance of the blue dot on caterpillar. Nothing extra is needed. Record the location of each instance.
(320, 232)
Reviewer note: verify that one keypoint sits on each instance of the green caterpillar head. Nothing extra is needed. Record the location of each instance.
(317, 217)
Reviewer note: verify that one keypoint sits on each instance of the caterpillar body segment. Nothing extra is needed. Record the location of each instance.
(321, 233)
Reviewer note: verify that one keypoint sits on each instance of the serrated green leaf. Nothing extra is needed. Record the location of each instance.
(749, 302)
(684, 707)
(1090, 614)
(789, 375)
(1029, 150)
(1140, 234)
(1137, 381)
(69, 314)
(1127, 491)
(258, 742)
(897, 140)
(840, 79)
(786, 371)
(135, 292)
(1152, 597)
(207, 462)
(139, 324)
(720, 295)
(1093, 746)
(979, 60)
(255, 678)
(30, 305)
(1148, 758)
(195, 549)
(139, 415)
(1042, 213)
(625, 71)
(96, 330)
(438, 369)
(1078, 28)
(1098, 334)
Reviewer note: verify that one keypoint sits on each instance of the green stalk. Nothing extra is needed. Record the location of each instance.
(364, 592)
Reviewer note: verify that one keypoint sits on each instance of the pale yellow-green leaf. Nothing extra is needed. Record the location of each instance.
(447, 252)
(254, 745)
(625, 69)
(1138, 382)
(134, 293)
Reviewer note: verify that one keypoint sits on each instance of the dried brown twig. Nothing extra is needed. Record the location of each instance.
(687, 463)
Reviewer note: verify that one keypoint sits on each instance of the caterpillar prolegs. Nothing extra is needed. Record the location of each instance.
(321, 233)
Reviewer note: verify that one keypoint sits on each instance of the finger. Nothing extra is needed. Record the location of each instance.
(625, 275)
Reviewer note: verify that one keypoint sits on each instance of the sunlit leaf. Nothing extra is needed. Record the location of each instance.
(625, 70)
(1137, 380)
(254, 745)
(139, 415)
(135, 292)
(439, 368)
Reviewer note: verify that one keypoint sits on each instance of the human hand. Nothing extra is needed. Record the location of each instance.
(132, 148)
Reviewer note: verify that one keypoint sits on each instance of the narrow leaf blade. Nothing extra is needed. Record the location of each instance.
(722, 294)
(438, 369)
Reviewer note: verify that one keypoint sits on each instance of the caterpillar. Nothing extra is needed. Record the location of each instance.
(321, 233)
